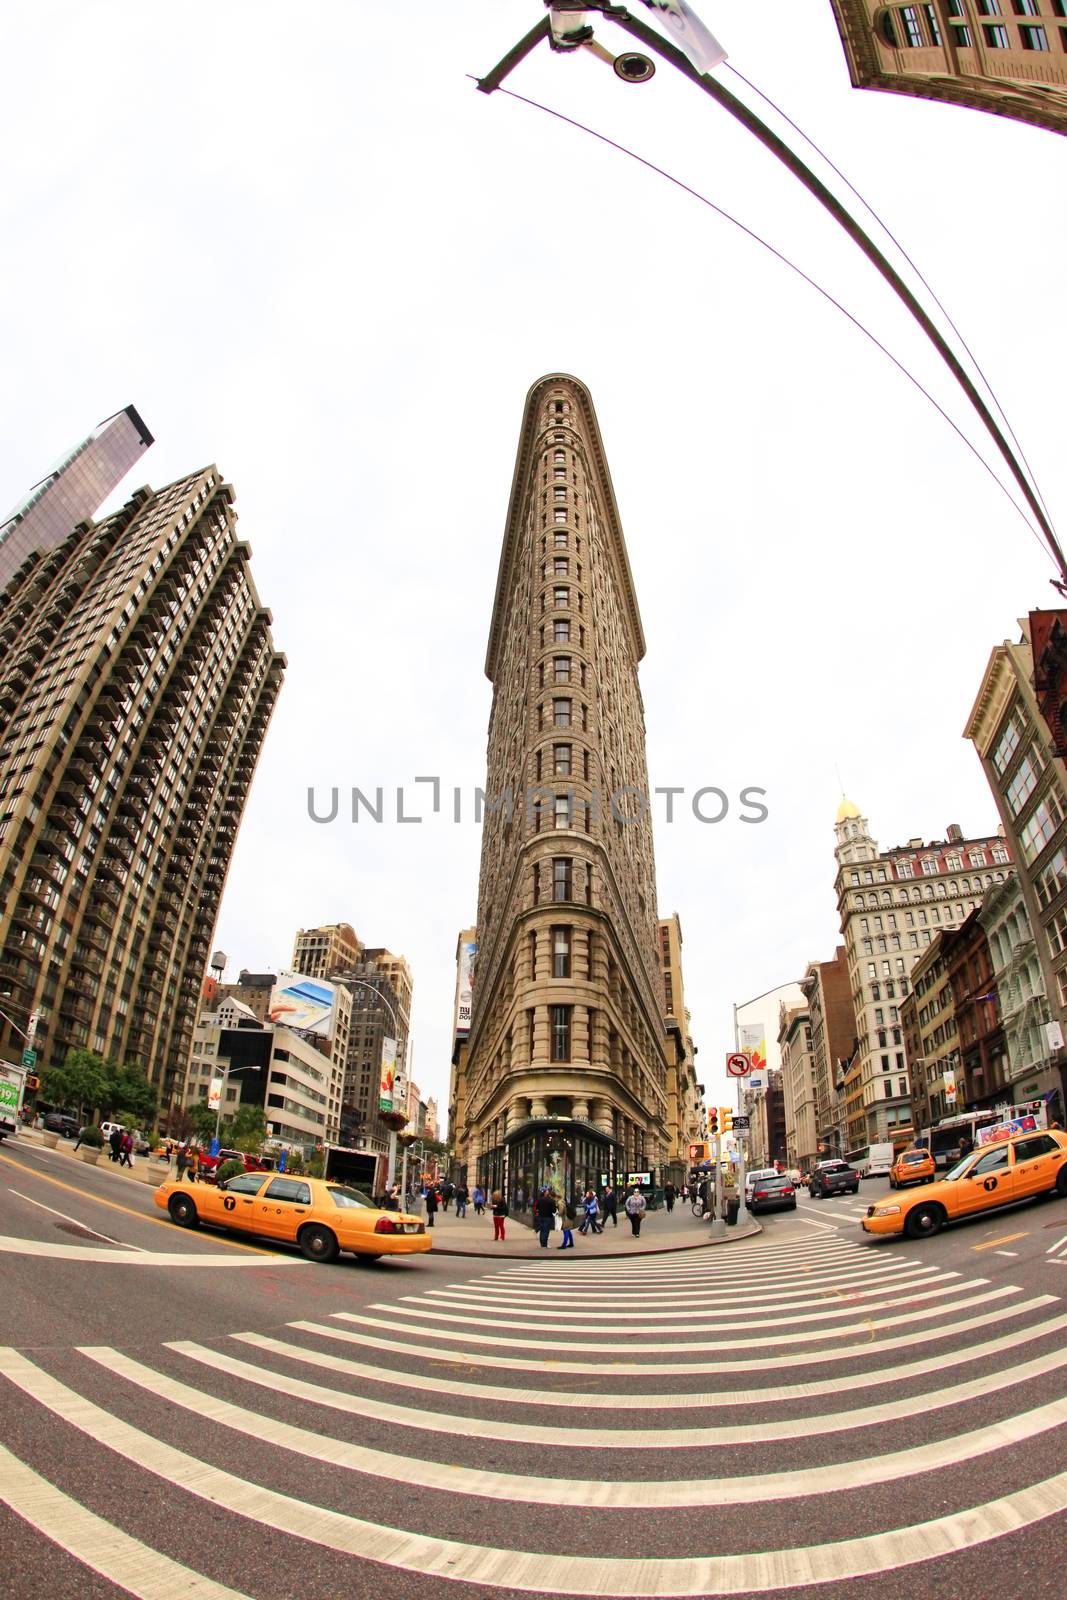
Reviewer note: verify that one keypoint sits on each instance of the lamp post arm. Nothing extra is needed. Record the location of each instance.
(13, 1024)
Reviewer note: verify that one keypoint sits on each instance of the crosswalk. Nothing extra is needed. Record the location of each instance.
(601, 1428)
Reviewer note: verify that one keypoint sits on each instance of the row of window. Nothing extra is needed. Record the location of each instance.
(916, 27)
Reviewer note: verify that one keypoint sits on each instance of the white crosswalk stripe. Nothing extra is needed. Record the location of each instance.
(482, 1391)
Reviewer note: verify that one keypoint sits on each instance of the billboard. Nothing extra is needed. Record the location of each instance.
(387, 1085)
(468, 949)
(214, 1094)
(752, 1039)
(306, 1004)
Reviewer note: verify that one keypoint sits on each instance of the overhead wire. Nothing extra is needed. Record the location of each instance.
(912, 263)
(793, 267)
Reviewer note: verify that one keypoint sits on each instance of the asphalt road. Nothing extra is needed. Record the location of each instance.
(807, 1412)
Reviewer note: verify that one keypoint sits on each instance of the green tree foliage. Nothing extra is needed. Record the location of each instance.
(201, 1120)
(81, 1082)
(248, 1129)
(227, 1170)
(132, 1097)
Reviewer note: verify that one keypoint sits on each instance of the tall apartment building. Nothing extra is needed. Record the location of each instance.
(931, 1041)
(396, 971)
(1019, 984)
(1017, 742)
(377, 1010)
(567, 1060)
(320, 952)
(798, 1085)
(137, 679)
(833, 1041)
(1004, 56)
(466, 953)
(891, 904)
(685, 1116)
(73, 491)
(265, 1064)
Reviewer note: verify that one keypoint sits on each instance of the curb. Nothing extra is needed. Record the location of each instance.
(748, 1232)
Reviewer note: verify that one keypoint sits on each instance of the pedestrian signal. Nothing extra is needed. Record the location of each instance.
(727, 1119)
(713, 1122)
(698, 1152)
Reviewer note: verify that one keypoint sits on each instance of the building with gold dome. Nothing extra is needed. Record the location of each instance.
(1008, 57)
(892, 903)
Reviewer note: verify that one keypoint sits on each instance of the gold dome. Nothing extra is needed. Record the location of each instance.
(846, 810)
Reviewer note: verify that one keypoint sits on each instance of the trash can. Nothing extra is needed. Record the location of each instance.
(733, 1206)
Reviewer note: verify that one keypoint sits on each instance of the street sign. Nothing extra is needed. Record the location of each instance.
(29, 1058)
(741, 1124)
(738, 1065)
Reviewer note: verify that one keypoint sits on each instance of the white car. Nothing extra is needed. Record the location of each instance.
(756, 1176)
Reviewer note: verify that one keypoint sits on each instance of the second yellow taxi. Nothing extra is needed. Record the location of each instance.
(994, 1175)
(323, 1218)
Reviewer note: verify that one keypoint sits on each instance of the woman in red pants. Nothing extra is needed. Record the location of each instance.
(500, 1211)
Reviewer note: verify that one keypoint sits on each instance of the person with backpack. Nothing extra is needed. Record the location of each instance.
(431, 1206)
(635, 1210)
(544, 1216)
(500, 1211)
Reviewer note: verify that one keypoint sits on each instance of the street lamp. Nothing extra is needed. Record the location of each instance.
(742, 1006)
(399, 1082)
(222, 1092)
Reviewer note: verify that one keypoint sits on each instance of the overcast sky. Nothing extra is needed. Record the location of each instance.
(304, 246)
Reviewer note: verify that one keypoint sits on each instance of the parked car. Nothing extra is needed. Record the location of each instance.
(771, 1192)
(833, 1177)
(209, 1165)
(62, 1122)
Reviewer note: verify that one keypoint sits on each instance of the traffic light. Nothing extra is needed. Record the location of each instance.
(726, 1118)
(713, 1121)
(698, 1152)
(32, 1082)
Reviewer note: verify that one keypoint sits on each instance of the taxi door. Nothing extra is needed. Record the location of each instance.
(282, 1207)
(1037, 1161)
(233, 1206)
(987, 1182)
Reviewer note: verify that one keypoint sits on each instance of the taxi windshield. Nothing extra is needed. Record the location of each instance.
(349, 1199)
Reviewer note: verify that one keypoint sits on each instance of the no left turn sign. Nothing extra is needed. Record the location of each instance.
(738, 1065)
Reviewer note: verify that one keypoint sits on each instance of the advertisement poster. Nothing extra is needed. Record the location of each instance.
(214, 1094)
(753, 1041)
(465, 988)
(303, 1003)
(387, 1085)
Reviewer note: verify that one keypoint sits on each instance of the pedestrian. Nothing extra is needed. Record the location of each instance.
(182, 1161)
(635, 1210)
(500, 1211)
(125, 1149)
(479, 1200)
(114, 1139)
(590, 1214)
(669, 1195)
(609, 1207)
(965, 1148)
(462, 1196)
(544, 1216)
(570, 1212)
(431, 1207)
(81, 1135)
(194, 1165)
(446, 1194)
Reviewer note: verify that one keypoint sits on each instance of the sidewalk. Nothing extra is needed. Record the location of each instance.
(660, 1235)
(138, 1173)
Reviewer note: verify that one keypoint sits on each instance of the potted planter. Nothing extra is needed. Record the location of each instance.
(51, 1139)
(89, 1153)
(91, 1143)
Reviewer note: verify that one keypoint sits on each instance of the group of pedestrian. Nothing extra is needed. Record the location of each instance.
(187, 1161)
(594, 1211)
(120, 1143)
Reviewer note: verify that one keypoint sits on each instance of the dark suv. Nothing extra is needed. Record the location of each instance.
(833, 1177)
(62, 1122)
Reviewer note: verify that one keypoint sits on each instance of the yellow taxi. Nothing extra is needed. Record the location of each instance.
(996, 1174)
(912, 1166)
(323, 1218)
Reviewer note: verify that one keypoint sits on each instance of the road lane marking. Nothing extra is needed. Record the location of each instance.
(50, 1250)
(134, 1567)
(439, 1311)
(614, 1578)
(83, 1226)
(668, 1369)
(867, 1378)
(1055, 1249)
(579, 1490)
(129, 1211)
(1004, 1238)
(806, 1336)
(1007, 1252)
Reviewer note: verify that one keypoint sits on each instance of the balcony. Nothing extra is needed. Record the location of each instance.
(104, 894)
(36, 918)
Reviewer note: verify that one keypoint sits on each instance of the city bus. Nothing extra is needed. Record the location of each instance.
(871, 1160)
(945, 1136)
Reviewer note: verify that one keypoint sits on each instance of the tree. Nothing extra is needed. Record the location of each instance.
(131, 1094)
(202, 1120)
(248, 1129)
(81, 1081)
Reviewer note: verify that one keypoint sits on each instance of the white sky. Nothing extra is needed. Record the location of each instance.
(306, 248)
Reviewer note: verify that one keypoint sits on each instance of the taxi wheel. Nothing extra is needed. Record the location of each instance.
(1061, 1183)
(183, 1211)
(924, 1221)
(317, 1244)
